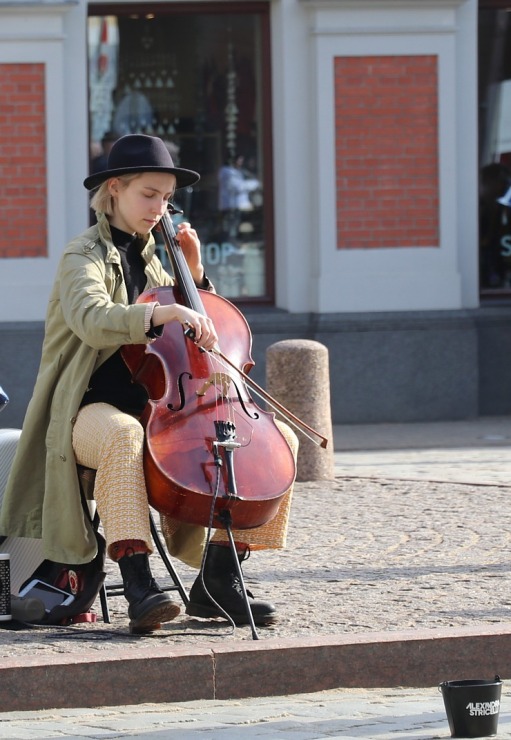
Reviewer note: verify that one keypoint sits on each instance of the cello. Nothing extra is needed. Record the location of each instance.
(209, 448)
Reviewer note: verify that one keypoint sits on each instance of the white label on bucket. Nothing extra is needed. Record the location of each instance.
(483, 708)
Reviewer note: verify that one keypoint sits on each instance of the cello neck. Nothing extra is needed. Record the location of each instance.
(182, 274)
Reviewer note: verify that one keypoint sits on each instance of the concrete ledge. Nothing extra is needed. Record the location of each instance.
(421, 658)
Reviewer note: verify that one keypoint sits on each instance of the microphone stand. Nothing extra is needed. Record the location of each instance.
(226, 434)
(225, 517)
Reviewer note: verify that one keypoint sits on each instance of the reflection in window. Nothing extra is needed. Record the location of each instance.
(495, 148)
(202, 93)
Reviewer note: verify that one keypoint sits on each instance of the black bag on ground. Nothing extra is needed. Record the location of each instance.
(81, 581)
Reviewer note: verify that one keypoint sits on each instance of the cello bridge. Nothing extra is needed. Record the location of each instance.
(221, 380)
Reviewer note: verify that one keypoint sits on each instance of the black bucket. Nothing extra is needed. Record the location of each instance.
(472, 707)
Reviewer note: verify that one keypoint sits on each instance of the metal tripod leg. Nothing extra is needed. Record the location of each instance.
(225, 516)
(170, 568)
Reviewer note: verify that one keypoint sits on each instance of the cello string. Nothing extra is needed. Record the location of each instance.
(193, 299)
(220, 380)
(275, 408)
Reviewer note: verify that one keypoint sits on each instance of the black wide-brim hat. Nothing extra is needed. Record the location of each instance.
(140, 153)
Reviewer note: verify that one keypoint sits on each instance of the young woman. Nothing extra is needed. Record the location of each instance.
(85, 407)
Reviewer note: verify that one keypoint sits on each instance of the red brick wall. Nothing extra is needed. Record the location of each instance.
(23, 230)
(386, 122)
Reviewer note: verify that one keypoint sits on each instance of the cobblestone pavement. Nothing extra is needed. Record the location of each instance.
(363, 555)
(396, 550)
(414, 532)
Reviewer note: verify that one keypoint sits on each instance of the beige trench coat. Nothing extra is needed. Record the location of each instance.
(88, 319)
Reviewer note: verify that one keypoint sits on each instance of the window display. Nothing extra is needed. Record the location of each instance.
(195, 78)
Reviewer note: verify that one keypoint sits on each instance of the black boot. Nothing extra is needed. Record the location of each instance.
(149, 606)
(222, 582)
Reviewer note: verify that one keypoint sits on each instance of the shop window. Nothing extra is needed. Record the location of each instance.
(197, 76)
(495, 147)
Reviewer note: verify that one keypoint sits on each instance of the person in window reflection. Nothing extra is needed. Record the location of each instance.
(234, 187)
(85, 408)
(99, 161)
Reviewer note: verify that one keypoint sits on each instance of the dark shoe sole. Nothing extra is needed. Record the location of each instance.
(211, 612)
(153, 618)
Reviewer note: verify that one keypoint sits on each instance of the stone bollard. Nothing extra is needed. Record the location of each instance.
(297, 377)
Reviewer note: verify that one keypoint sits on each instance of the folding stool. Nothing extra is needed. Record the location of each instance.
(87, 477)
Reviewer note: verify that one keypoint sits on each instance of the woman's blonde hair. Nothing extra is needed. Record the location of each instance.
(102, 201)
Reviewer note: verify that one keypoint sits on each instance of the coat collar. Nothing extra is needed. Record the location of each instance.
(112, 254)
